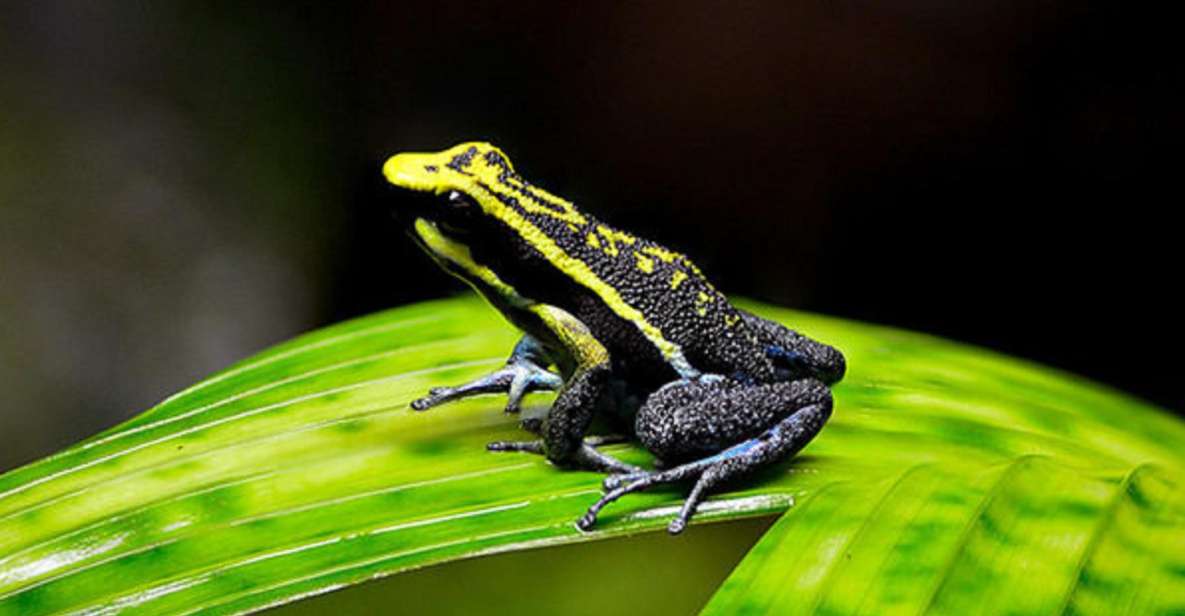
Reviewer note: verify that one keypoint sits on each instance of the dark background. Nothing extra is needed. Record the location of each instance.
(183, 185)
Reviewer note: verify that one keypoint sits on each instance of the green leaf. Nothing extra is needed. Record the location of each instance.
(948, 477)
(965, 483)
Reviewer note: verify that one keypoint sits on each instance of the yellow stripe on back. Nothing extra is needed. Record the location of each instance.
(580, 272)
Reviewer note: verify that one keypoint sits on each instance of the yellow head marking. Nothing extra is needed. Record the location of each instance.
(435, 172)
(594, 241)
(677, 279)
(482, 172)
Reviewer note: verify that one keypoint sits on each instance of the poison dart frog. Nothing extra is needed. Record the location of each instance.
(634, 331)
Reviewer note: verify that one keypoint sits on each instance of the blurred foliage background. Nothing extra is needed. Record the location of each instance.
(182, 184)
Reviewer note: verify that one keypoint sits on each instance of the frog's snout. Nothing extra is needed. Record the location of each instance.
(413, 171)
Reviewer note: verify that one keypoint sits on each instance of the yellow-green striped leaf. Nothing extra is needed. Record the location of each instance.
(948, 477)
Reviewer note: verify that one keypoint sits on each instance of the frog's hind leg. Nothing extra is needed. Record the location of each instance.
(793, 354)
(525, 371)
(696, 418)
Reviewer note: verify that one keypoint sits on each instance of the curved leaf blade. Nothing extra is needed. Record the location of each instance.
(302, 470)
(1022, 491)
(1030, 537)
(295, 472)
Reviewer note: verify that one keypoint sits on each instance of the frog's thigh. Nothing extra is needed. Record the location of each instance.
(688, 420)
(761, 424)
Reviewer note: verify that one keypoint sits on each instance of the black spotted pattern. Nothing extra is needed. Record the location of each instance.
(694, 419)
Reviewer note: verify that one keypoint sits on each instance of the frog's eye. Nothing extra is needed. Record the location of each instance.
(459, 202)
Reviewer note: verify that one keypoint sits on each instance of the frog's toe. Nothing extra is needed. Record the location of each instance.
(534, 425)
(517, 379)
(439, 395)
(612, 482)
(586, 457)
(677, 525)
(601, 440)
(527, 377)
(707, 473)
(527, 446)
(435, 396)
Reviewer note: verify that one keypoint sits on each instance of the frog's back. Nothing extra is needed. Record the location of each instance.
(651, 303)
(639, 297)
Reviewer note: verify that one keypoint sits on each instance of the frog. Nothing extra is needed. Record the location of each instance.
(622, 328)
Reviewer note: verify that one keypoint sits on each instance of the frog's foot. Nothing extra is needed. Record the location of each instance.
(708, 473)
(776, 443)
(586, 457)
(516, 379)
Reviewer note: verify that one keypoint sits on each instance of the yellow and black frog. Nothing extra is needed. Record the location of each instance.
(634, 331)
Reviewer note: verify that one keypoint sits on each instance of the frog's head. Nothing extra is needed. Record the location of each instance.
(472, 213)
(471, 185)
(458, 168)
(456, 186)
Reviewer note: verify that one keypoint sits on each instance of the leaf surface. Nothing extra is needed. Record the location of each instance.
(301, 470)
(1015, 490)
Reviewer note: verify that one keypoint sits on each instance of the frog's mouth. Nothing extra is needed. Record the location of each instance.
(406, 206)
(445, 232)
(453, 232)
(451, 253)
(453, 214)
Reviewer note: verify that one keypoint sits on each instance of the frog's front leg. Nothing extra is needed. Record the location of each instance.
(566, 423)
(525, 371)
(726, 429)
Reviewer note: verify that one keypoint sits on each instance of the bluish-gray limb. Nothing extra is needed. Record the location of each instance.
(584, 457)
(811, 404)
(525, 371)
